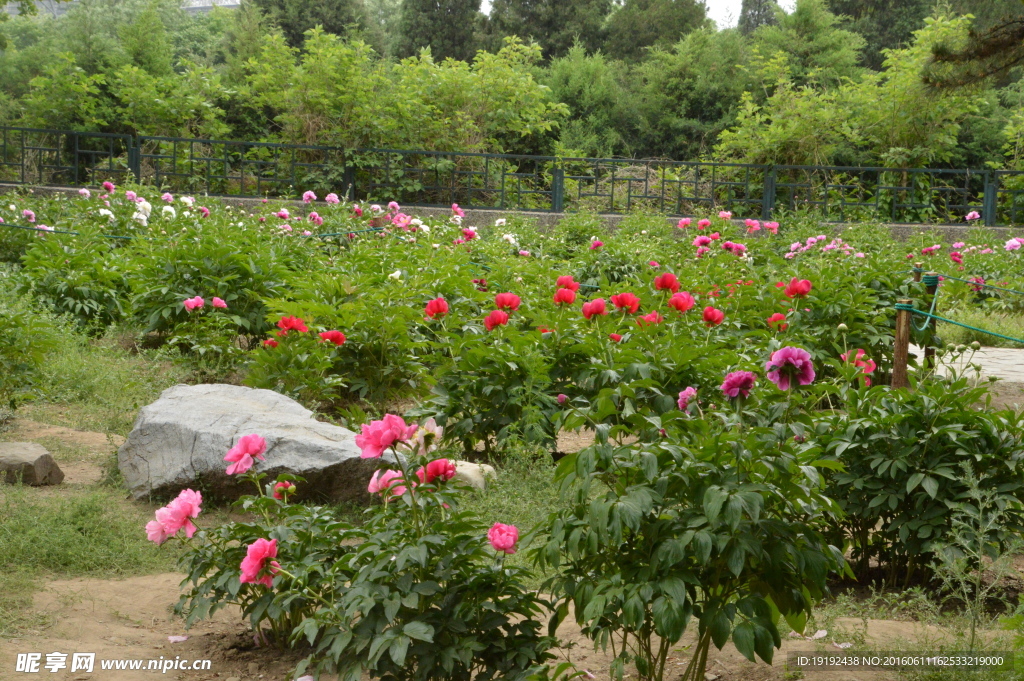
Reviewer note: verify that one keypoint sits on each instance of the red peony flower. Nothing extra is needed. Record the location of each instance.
(681, 302)
(292, 324)
(626, 302)
(594, 307)
(778, 322)
(507, 301)
(713, 316)
(666, 282)
(336, 337)
(566, 281)
(495, 319)
(436, 308)
(797, 288)
(565, 296)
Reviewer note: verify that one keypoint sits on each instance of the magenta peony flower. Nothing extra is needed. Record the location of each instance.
(308, 197)
(242, 455)
(283, 489)
(503, 537)
(379, 435)
(256, 560)
(220, 304)
(684, 223)
(194, 303)
(681, 302)
(738, 383)
(701, 224)
(109, 186)
(594, 245)
(685, 396)
(788, 363)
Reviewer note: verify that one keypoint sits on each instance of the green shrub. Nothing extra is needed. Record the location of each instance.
(26, 336)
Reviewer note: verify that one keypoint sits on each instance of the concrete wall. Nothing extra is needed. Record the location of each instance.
(476, 217)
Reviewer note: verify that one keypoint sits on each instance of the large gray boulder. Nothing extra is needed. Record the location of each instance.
(28, 463)
(180, 441)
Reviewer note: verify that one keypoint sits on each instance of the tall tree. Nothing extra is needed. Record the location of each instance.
(447, 27)
(990, 50)
(817, 51)
(382, 25)
(295, 17)
(884, 24)
(756, 13)
(555, 24)
(639, 24)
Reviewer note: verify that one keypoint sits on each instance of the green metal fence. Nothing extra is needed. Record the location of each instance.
(512, 182)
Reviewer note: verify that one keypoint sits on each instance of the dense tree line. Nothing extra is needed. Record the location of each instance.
(894, 82)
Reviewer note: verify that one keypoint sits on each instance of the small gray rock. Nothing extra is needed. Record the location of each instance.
(30, 463)
(180, 441)
(475, 475)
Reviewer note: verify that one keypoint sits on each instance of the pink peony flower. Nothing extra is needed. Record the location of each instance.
(357, 211)
(972, 216)
(387, 482)
(685, 396)
(458, 211)
(258, 557)
(503, 537)
(315, 218)
(958, 245)
(84, 193)
(752, 225)
(562, 398)
(1013, 245)
(283, 214)
(957, 257)
(175, 516)
(194, 303)
(725, 215)
(379, 435)
(772, 227)
(394, 207)
(168, 197)
(204, 211)
(594, 245)
(109, 186)
(308, 197)
(738, 383)
(867, 364)
(778, 322)
(650, 319)
(469, 234)
(130, 195)
(525, 254)
(701, 224)
(653, 263)
(332, 199)
(287, 324)
(684, 223)
(242, 456)
(219, 304)
(788, 363)
(283, 489)
(28, 215)
(615, 337)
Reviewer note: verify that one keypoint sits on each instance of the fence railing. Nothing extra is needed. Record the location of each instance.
(512, 182)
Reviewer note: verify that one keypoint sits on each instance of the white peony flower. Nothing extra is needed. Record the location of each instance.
(416, 221)
(424, 228)
(104, 211)
(169, 212)
(396, 275)
(500, 222)
(187, 200)
(144, 207)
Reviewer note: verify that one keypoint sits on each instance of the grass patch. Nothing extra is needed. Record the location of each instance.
(98, 386)
(1006, 324)
(76, 534)
(16, 614)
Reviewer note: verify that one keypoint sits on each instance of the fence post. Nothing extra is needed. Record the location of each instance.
(557, 190)
(348, 181)
(988, 206)
(901, 354)
(135, 159)
(768, 198)
(931, 285)
(918, 268)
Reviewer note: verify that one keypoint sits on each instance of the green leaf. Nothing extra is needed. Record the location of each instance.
(398, 648)
(743, 639)
(931, 485)
(421, 631)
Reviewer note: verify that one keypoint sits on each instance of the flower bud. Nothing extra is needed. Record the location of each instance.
(843, 327)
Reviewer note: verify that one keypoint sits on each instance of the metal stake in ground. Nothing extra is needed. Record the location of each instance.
(901, 353)
(931, 284)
